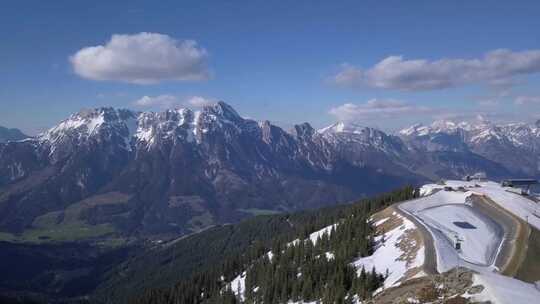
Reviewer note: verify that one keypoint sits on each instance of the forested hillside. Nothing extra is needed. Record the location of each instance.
(166, 264)
(289, 266)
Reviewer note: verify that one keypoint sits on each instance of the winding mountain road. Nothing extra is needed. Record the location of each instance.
(430, 254)
(514, 247)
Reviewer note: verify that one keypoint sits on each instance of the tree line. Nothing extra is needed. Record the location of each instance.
(297, 269)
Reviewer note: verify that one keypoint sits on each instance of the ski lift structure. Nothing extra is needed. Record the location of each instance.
(478, 176)
(458, 243)
(521, 186)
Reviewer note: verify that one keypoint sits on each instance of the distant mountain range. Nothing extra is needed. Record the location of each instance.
(108, 171)
(11, 134)
(513, 149)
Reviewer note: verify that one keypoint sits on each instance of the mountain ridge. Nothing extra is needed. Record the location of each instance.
(499, 143)
(164, 174)
(173, 172)
(11, 134)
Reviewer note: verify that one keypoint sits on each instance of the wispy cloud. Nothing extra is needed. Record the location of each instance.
(142, 58)
(167, 101)
(526, 100)
(376, 109)
(162, 101)
(496, 68)
(198, 101)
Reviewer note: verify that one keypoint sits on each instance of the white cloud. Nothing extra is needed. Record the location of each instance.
(376, 109)
(495, 68)
(479, 116)
(162, 101)
(198, 101)
(527, 100)
(142, 58)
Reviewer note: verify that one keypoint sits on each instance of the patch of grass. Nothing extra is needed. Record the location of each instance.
(457, 300)
(8, 237)
(67, 232)
(255, 211)
(47, 220)
(46, 231)
(113, 242)
(202, 221)
(74, 211)
(67, 225)
(428, 294)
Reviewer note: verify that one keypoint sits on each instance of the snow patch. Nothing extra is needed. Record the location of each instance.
(388, 255)
(238, 285)
(480, 237)
(504, 290)
(519, 205)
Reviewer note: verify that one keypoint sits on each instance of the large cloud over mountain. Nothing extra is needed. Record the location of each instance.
(142, 58)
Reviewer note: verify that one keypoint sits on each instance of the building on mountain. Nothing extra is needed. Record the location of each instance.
(520, 185)
(478, 176)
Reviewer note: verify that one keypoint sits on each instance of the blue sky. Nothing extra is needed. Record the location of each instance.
(286, 61)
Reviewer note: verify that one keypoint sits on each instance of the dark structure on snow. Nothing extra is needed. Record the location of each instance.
(523, 185)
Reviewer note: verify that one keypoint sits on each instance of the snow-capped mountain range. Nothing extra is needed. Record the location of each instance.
(517, 134)
(515, 146)
(181, 170)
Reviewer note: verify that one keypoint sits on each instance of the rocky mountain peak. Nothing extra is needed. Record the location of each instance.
(304, 130)
(222, 109)
(449, 127)
(88, 122)
(344, 127)
(415, 130)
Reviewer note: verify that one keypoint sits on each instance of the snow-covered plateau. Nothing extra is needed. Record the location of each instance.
(450, 214)
(449, 218)
(447, 213)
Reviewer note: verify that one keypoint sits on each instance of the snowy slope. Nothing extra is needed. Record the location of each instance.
(442, 213)
(505, 290)
(439, 210)
(398, 252)
(238, 285)
(392, 254)
(521, 206)
(402, 256)
(314, 237)
(481, 238)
